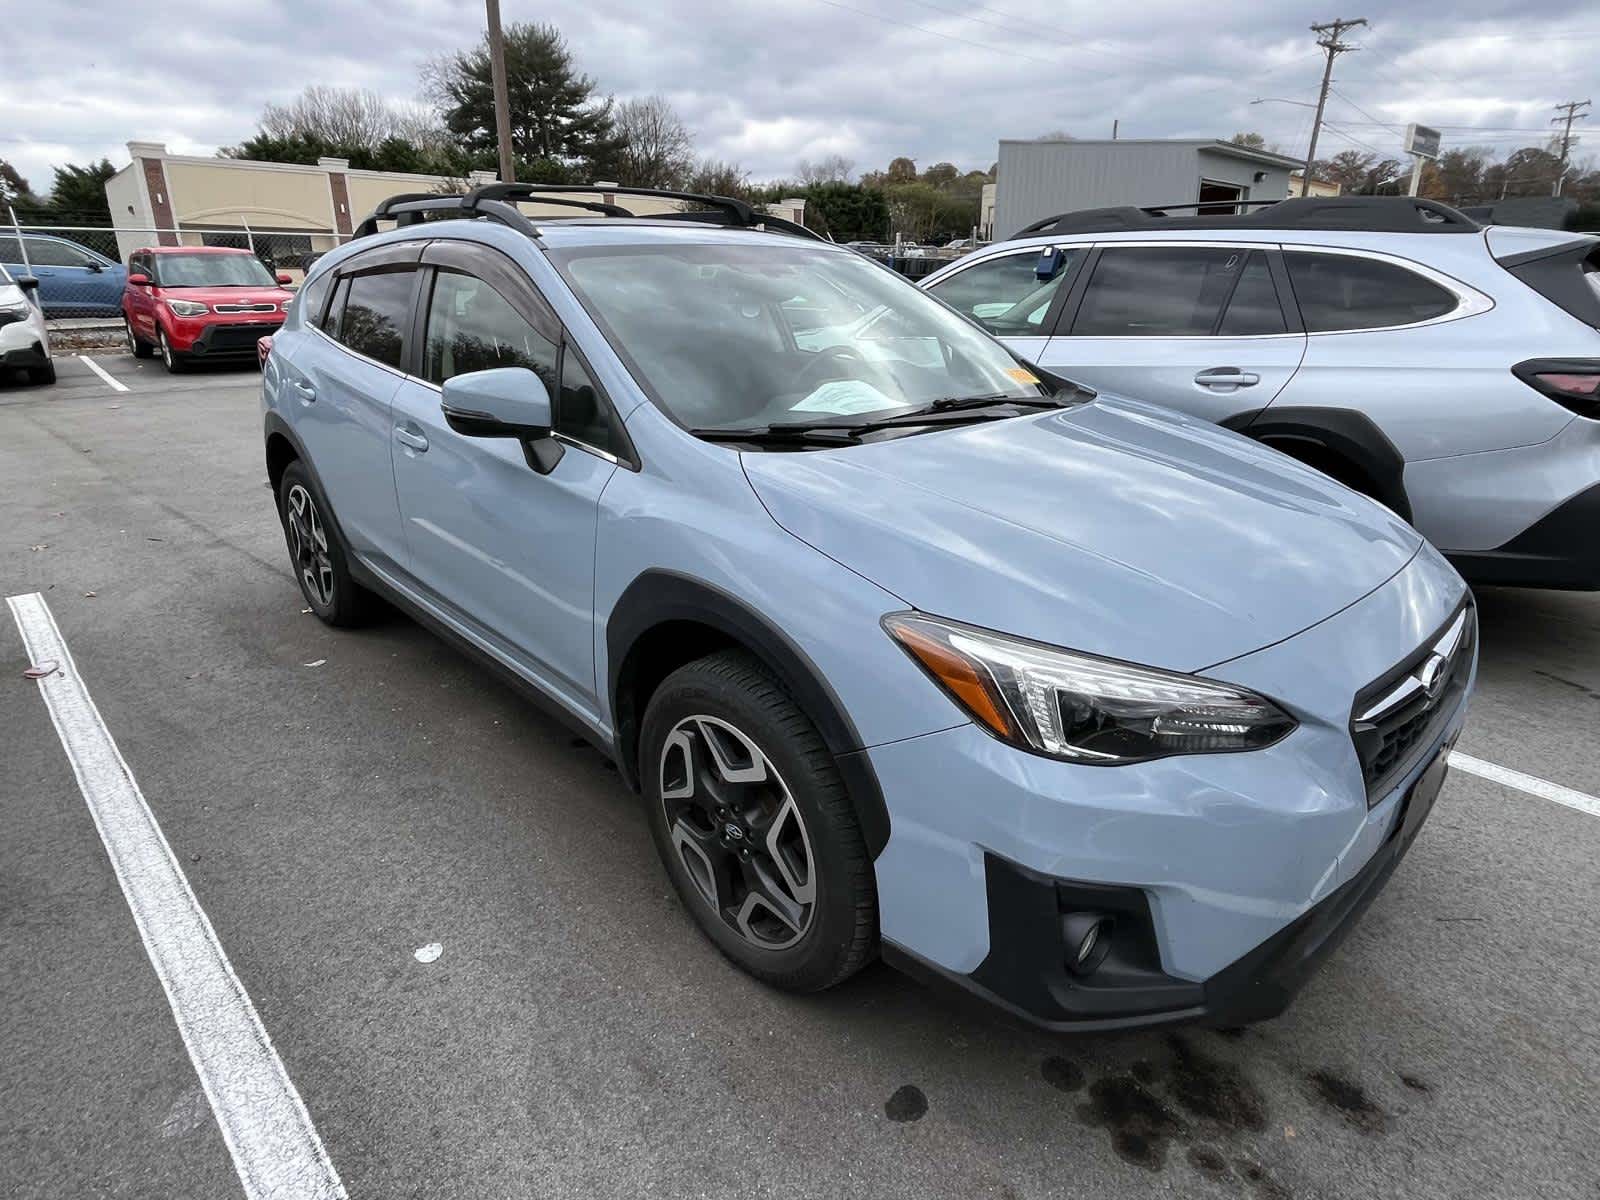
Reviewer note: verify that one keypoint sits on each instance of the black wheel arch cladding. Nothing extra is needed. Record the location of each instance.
(659, 600)
(1348, 435)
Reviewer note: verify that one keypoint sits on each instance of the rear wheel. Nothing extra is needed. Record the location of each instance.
(754, 826)
(137, 346)
(170, 358)
(321, 562)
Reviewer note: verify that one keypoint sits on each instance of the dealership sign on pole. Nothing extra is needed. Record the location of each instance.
(1421, 143)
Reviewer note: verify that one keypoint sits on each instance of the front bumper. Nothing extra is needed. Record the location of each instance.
(1238, 872)
(222, 339)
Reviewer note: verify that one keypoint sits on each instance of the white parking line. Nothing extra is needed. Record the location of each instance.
(102, 372)
(275, 1148)
(1531, 784)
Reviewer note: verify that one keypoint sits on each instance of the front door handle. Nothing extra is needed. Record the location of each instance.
(411, 439)
(304, 390)
(1227, 377)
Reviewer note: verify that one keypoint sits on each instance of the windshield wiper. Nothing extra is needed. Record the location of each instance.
(796, 434)
(947, 410)
(955, 403)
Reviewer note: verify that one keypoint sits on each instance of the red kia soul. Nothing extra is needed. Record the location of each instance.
(193, 302)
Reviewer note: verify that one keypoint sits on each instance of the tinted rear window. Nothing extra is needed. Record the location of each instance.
(376, 310)
(1341, 291)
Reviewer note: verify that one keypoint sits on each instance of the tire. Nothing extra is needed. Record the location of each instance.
(317, 555)
(137, 346)
(789, 825)
(42, 376)
(174, 362)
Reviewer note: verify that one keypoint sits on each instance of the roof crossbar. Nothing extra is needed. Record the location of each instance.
(1370, 214)
(498, 201)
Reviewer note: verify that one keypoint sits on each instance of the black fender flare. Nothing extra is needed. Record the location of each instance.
(659, 597)
(1351, 435)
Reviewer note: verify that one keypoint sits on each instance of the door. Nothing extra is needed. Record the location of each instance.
(340, 382)
(508, 551)
(73, 280)
(1013, 294)
(1199, 328)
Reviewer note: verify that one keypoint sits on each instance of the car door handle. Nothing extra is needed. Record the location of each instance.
(305, 391)
(1227, 377)
(410, 438)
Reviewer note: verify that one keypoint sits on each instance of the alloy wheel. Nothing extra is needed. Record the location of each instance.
(166, 350)
(308, 544)
(133, 342)
(738, 832)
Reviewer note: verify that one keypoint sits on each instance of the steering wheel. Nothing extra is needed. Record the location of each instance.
(821, 357)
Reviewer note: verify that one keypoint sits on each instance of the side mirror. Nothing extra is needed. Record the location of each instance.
(139, 280)
(504, 402)
(93, 267)
(28, 283)
(285, 277)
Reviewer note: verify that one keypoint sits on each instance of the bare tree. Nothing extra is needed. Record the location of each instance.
(830, 168)
(718, 178)
(350, 117)
(657, 148)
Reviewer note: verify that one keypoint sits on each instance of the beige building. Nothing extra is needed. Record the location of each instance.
(179, 199)
(1319, 187)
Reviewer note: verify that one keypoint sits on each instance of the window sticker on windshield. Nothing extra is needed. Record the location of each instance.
(1022, 375)
(845, 398)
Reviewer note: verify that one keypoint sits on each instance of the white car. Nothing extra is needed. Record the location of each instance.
(24, 344)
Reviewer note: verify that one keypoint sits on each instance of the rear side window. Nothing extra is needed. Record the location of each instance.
(1159, 291)
(1005, 294)
(1253, 309)
(311, 298)
(376, 309)
(472, 327)
(1341, 291)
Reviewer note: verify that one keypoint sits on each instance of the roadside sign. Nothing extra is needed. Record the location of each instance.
(1422, 141)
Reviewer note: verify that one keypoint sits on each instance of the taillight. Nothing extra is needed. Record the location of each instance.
(1573, 383)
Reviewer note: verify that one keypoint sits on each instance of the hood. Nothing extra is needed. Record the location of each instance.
(265, 294)
(1115, 528)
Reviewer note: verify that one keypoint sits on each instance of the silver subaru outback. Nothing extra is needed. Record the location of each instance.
(1448, 369)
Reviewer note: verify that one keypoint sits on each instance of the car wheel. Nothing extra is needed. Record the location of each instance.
(170, 358)
(755, 828)
(137, 346)
(42, 375)
(321, 563)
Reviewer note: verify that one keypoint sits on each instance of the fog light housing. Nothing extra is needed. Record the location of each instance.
(1087, 937)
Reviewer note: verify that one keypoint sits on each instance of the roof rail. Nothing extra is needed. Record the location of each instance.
(1369, 214)
(497, 201)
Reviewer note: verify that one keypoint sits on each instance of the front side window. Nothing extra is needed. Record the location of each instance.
(580, 412)
(212, 270)
(472, 327)
(377, 307)
(1343, 291)
(1159, 291)
(733, 336)
(59, 254)
(1005, 294)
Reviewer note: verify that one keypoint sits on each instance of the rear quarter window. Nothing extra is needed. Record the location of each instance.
(1339, 292)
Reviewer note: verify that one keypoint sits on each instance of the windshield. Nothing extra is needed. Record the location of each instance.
(727, 336)
(211, 270)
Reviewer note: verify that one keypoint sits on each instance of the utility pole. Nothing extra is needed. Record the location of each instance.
(1571, 114)
(502, 104)
(1328, 35)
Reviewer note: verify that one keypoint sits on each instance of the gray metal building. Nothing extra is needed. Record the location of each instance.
(1041, 178)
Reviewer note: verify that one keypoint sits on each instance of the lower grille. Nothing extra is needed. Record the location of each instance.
(237, 337)
(1396, 718)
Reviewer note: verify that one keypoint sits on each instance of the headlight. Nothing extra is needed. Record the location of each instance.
(187, 308)
(1081, 707)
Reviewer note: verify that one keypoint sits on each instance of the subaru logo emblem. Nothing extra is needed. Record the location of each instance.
(1432, 675)
(732, 832)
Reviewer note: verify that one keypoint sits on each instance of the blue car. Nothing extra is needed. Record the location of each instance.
(74, 281)
(1096, 711)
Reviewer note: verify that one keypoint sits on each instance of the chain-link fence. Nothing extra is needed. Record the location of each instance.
(82, 269)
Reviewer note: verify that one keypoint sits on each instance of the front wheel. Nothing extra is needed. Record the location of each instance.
(170, 358)
(40, 376)
(754, 826)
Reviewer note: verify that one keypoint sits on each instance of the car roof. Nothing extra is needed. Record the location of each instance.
(191, 250)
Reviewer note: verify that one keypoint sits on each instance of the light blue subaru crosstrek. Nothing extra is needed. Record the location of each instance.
(1098, 712)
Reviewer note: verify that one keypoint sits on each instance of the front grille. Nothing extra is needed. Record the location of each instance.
(1395, 719)
(244, 308)
(237, 337)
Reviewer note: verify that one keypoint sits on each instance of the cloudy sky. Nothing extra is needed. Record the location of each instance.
(769, 83)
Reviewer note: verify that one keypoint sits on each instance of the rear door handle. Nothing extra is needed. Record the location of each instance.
(305, 391)
(411, 439)
(1227, 377)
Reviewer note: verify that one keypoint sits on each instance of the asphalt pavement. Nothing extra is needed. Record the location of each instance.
(338, 800)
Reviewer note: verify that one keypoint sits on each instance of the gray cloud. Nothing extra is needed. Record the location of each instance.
(769, 84)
